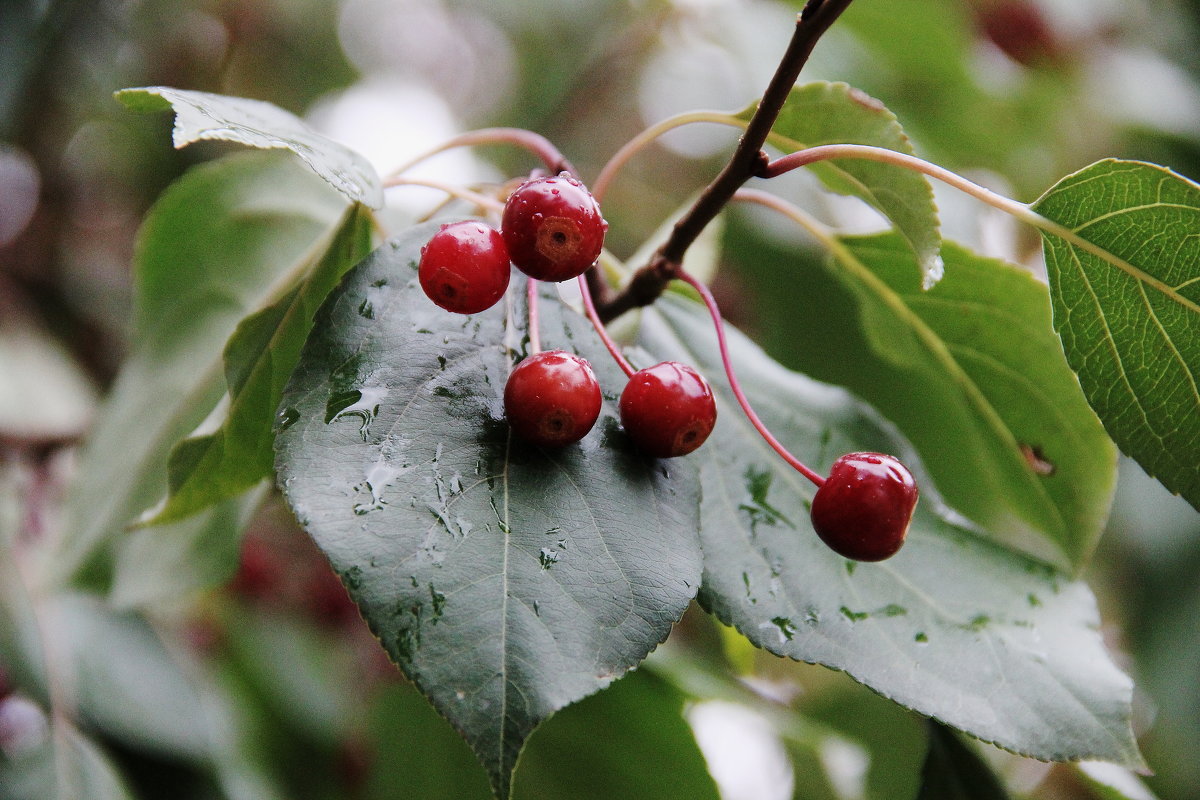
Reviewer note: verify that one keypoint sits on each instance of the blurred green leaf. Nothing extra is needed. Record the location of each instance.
(69, 765)
(124, 680)
(506, 581)
(954, 771)
(834, 113)
(629, 741)
(163, 563)
(303, 673)
(954, 626)
(259, 358)
(201, 116)
(970, 371)
(44, 394)
(223, 241)
(894, 740)
(1124, 274)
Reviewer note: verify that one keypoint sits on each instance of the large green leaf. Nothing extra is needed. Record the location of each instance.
(834, 113)
(970, 371)
(223, 241)
(201, 115)
(1124, 268)
(506, 581)
(954, 626)
(259, 358)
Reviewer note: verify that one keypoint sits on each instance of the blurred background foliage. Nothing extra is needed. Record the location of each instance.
(269, 685)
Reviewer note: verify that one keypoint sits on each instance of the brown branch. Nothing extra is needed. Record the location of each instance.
(747, 161)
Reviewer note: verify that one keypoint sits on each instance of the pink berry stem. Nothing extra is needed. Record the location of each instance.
(727, 363)
(535, 143)
(590, 307)
(531, 296)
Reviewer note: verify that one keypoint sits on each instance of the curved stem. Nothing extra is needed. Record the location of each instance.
(727, 363)
(815, 227)
(1018, 210)
(481, 200)
(638, 143)
(531, 298)
(590, 308)
(535, 143)
(864, 152)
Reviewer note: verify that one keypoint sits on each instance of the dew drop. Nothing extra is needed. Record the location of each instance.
(786, 629)
(362, 404)
(853, 616)
(287, 418)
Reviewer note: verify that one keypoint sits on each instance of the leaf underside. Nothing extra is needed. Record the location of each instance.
(505, 581)
(1125, 286)
(202, 116)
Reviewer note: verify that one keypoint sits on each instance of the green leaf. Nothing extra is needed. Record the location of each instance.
(125, 681)
(1124, 268)
(506, 582)
(834, 113)
(954, 771)
(259, 357)
(970, 371)
(630, 741)
(202, 116)
(164, 563)
(67, 765)
(220, 243)
(954, 626)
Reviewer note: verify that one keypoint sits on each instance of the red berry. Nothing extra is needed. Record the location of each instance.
(863, 509)
(464, 267)
(668, 410)
(552, 399)
(553, 228)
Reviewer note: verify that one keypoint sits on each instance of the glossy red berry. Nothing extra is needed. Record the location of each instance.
(863, 509)
(552, 399)
(464, 267)
(553, 228)
(668, 410)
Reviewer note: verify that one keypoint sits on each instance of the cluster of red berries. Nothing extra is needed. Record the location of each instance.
(552, 230)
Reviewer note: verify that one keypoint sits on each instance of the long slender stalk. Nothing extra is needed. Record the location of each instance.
(590, 308)
(531, 302)
(1014, 208)
(535, 143)
(711, 303)
(642, 140)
